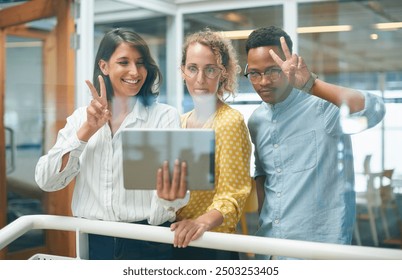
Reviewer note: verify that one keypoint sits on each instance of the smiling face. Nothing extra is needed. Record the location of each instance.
(259, 60)
(200, 58)
(126, 70)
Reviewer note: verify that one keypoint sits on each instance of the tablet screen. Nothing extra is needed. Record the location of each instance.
(145, 150)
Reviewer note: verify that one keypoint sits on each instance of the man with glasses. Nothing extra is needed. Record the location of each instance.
(303, 159)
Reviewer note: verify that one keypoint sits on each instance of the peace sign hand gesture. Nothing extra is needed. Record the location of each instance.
(293, 67)
(97, 112)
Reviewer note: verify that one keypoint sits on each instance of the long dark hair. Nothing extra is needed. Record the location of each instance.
(108, 45)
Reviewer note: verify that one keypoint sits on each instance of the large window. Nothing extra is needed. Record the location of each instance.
(345, 43)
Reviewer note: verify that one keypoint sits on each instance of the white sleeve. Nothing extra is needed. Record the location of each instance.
(374, 109)
(47, 172)
(164, 210)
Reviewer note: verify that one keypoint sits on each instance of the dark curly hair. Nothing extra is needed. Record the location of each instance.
(108, 45)
(268, 36)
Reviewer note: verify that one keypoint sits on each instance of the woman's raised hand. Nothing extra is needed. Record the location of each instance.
(97, 112)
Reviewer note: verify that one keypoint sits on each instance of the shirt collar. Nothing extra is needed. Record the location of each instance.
(139, 111)
(282, 105)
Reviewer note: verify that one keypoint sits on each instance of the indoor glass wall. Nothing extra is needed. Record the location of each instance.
(349, 43)
(356, 44)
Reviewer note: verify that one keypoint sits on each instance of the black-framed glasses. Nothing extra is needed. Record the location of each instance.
(255, 77)
(210, 72)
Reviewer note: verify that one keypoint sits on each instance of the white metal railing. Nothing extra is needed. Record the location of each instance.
(222, 241)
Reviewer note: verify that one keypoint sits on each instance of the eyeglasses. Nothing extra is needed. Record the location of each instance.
(210, 72)
(255, 77)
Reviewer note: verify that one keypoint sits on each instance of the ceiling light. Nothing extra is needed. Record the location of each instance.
(320, 29)
(388, 25)
(237, 34)
(234, 17)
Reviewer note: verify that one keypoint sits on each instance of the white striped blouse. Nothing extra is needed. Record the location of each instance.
(97, 165)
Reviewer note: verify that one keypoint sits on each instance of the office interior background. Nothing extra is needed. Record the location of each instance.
(350, 43)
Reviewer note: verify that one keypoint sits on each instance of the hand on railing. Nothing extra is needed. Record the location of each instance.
(213, 240)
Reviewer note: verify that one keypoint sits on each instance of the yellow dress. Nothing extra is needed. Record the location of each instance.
(232, 171)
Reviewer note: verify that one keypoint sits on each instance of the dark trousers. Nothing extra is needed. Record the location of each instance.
(113, 248)
(195, 253)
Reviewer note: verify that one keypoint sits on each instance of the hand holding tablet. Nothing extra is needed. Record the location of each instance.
(146, 150)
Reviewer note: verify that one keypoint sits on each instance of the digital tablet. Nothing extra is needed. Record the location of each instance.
(145, 150)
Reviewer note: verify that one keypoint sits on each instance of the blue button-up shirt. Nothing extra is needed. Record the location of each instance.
(308, 164)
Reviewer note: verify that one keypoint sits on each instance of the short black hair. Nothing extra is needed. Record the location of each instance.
(268, 36)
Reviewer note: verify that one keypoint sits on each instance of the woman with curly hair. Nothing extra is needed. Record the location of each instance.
(209, 69)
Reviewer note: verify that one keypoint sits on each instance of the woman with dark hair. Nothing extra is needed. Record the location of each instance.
(108, 46)
(89, 148)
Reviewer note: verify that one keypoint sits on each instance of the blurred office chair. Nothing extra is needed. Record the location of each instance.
(376, 199)
(367, 164)
(370, 201)
(388, 201)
